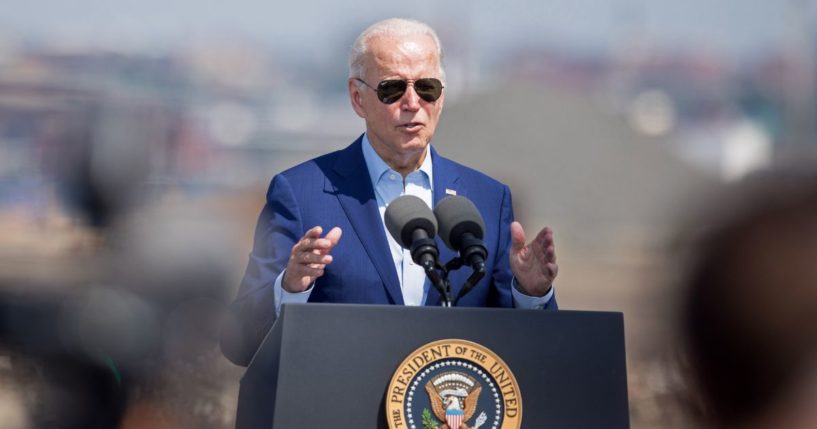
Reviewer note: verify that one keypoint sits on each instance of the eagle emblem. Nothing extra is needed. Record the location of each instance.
(453, 384)
(454, 396)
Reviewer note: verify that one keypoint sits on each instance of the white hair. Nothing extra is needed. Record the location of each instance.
(398, 27)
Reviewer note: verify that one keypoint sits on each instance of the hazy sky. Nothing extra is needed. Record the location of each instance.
(727, 26)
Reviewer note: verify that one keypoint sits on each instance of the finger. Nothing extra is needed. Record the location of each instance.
(545, 255)
(550, 253)
(334, 236)
(309, 240)
(543, 246)
(314, 232)
(543, 237)
(315, 245)
(320, 246)
(314, 258)
(550, 246)
(552, 270)
(517, 237)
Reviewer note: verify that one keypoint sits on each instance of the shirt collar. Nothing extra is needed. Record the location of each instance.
(377, 167)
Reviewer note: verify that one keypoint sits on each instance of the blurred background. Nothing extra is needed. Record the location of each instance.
(137, 139)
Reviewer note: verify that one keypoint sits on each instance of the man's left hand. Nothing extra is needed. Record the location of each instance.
(533, 265)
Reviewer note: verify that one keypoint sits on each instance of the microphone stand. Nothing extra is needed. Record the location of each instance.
(440, 282)
(438, 274)
(425, 249)
(472, 253)
(471, 281)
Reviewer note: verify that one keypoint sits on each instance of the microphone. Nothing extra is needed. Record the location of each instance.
(413, 225)
(462, 229)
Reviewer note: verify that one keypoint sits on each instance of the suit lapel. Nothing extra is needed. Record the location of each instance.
(446, 179)
(356, 195)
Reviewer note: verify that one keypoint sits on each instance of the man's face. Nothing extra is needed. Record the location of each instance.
(405, 127)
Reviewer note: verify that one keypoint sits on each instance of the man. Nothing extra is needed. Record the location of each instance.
(396, 84)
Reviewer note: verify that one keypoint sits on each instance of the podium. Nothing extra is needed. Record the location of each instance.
(330, 365)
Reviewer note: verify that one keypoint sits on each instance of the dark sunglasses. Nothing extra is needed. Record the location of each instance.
(389, 91)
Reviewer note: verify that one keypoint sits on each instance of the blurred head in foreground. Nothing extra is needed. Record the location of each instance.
(749, 314)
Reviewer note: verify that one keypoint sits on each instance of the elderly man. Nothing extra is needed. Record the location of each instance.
(396, 84)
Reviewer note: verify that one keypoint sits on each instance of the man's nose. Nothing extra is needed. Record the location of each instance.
(410, 100)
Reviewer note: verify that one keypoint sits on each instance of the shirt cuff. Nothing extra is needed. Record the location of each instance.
(284, 297)
(521, 300)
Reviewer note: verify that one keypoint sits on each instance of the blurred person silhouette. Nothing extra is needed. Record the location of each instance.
(396, 83)
(129, 336)
(59, 349)
(749, 305)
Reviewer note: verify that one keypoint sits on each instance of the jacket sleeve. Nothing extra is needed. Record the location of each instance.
(252, 313)
(502, 275)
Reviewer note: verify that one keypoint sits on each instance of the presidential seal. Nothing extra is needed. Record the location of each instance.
(453, 384)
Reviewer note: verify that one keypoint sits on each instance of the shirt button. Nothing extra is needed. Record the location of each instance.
(393, 177)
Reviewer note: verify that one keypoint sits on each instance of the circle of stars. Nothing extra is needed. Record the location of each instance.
(453, 364)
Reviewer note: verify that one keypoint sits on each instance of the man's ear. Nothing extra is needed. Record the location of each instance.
(356, 98)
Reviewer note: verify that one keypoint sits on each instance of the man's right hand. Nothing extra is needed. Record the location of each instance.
(308, 258)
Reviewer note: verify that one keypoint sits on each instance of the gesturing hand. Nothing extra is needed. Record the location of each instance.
(533, 265)
(308, 258)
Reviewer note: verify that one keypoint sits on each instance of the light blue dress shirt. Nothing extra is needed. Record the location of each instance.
(388, 184)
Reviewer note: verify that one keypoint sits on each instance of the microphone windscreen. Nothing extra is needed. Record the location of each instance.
(457, 215)
(407, 213)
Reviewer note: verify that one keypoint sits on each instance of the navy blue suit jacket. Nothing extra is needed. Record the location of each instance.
(335, 190)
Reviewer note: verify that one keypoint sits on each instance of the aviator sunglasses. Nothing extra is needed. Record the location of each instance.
(389, 91)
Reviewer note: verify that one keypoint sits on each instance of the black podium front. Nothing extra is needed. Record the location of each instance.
(329, 365)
